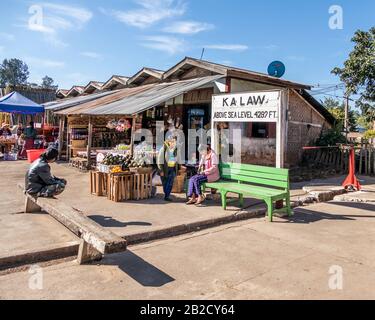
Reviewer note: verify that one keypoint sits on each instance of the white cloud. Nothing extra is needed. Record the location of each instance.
(228, 47)
(149, 13)
(66, 17)
(50, 19)
(167, 44)
(1, 49)
(90, 54)
(188, 27)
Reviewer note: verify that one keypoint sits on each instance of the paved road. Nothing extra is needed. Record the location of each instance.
(246, 260)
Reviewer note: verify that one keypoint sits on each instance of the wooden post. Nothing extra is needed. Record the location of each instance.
(67, 140)
(61, 134)
(89, 144)
(280, 130)
(133, 135)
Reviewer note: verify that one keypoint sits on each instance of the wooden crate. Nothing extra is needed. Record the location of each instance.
(120, 187)
(128, 186)
(142, 186)
(98, 183)
(179, 184)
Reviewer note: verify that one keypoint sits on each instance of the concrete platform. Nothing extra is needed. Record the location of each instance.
(25, 234)
(140, 220)
(288, 259)
(136, 221)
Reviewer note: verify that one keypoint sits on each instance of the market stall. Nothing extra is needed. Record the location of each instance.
(19, 108)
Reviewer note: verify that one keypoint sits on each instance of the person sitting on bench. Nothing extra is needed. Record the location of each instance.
(208, 172)
(39, 181)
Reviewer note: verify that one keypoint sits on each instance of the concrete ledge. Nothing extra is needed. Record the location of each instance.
(173, 231)
(321, 193)
(362, 196)
(21, 258)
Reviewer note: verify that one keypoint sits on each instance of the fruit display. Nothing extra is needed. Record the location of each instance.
(139, 160)
(117, 160)
(117, 169)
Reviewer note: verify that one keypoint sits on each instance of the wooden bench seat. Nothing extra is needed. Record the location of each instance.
(263, 183)
(96, 241)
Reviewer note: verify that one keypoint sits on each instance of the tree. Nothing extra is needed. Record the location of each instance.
(358, 72)
(48, 83)
(337, 109)
(13, 72)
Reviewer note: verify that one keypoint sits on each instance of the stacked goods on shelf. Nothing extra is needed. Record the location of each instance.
(126, 162)
(78, 137)
(104, 137)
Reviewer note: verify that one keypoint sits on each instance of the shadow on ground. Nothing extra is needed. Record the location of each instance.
(110, 222)
(139, 270)
(306, 216)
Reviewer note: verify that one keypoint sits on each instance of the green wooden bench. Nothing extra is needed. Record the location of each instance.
(264, 183)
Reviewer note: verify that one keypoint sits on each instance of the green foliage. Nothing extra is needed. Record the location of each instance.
(369, 134)
(363, 122)
(331, 137)
(48, 83)
(358, 72)
(337, 109)
(13, 72)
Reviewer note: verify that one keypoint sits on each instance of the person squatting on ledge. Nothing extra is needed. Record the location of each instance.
(39, 182)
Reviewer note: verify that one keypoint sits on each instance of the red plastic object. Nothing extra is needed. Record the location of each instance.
(351, 180)
(34, 154)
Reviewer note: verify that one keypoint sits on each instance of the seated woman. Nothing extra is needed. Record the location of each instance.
(39, 182)
(208, 172)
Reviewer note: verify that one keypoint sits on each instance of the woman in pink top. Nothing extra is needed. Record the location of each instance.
(208, 172)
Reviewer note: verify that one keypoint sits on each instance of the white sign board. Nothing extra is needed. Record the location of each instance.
(261, 106)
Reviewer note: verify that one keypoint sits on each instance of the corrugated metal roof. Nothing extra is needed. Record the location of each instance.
(85, 108)
(70, 102)
(138, 99)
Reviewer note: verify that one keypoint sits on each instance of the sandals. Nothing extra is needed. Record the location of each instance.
(200, 202)
(190, 202)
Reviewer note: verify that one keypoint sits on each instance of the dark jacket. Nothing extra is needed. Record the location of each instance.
(38, 176)
(30, 133)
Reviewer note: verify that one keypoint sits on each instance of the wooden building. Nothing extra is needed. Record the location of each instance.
(183, 94)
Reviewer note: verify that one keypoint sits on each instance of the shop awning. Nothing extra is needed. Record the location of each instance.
(15, 102)
(138, 99)
(70, 102)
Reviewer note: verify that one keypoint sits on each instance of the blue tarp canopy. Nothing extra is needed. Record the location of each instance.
(16, 103)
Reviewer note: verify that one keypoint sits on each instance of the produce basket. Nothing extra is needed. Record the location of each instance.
(104, 168)
(179, 184)
(143, 170)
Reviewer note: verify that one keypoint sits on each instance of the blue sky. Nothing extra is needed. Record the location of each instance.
(78, 41)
